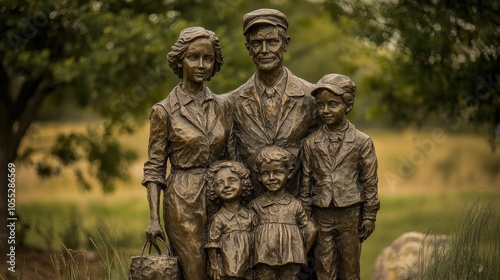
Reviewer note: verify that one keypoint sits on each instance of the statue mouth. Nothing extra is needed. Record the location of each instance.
(266, 59)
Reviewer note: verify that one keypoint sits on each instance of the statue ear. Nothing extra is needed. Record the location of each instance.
(286, 43)
(349, 108)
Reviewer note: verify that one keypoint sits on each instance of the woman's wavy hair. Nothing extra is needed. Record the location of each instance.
(187, 36)
(237, 168)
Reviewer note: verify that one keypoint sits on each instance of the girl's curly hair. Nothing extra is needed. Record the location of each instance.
(237, 168)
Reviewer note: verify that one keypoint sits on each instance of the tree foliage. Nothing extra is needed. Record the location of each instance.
(103, 55)
(110, 56)
(442, 58)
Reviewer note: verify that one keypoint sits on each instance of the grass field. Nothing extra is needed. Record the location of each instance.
(425, 180)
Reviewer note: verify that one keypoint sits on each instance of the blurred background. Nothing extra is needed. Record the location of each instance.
(78, 79)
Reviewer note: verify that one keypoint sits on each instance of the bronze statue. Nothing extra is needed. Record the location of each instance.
(266, 123)
(192, 128)
(339, 181)
(273, 107)
(230, 235)
(284, 232)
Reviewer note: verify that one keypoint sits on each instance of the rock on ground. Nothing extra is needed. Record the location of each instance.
(402, 259)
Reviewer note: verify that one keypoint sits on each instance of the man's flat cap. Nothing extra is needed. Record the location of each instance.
(336, 83)
(264, 16)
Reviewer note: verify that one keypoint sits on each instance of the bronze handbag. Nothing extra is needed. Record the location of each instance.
(154, 266)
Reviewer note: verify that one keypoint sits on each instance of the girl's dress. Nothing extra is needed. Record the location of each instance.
(232, 234)
(278, 235)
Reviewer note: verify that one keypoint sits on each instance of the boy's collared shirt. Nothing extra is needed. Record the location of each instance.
(335, 138)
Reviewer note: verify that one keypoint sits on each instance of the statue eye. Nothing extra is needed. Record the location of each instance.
(233, 180)
(279, 172)
(219, 184)
(333, 104)
(273, 42)
(256, 44)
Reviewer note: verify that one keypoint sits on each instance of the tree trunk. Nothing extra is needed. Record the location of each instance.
(16, 117)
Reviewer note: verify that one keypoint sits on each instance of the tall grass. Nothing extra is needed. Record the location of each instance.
(473, 251)
(113, 260)
(72, 264)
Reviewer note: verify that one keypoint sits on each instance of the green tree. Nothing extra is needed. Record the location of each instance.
(440, 59)
(107, 56)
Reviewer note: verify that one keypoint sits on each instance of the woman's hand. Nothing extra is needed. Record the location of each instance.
(214, 272)
(154, 231)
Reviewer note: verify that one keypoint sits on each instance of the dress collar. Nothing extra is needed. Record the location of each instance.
(268, 200)
(185, 98)
(230, 215)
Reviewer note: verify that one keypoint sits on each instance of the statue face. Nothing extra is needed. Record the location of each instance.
(198, 61)
(228, 185)
(331, 109)
(266, 47)
(273, 175)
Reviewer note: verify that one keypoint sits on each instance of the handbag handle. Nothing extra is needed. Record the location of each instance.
(167, 246)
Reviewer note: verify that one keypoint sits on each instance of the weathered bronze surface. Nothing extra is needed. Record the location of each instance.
(284, 232)
(191, 128)
(339, 181)
(274, 107)
(277, 139)
(230, 235)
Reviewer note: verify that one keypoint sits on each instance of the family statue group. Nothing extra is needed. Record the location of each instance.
(268, 181)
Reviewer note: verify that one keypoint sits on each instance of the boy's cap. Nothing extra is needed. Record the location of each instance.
(336, 83)
(264, 16)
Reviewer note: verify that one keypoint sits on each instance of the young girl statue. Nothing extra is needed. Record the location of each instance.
(230, 233)
(284, 232)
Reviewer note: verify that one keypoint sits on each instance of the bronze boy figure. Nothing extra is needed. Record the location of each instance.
(339, 180)
(273, 107)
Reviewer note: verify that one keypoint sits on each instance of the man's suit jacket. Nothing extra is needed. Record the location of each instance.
(344, 179)
(296, 119)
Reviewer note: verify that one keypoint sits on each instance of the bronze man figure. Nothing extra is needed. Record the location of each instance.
(273, 107)
(191, 128)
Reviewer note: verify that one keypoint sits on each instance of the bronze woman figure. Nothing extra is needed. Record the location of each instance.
(191, 128)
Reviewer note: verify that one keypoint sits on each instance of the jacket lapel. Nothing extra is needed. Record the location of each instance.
(293, 91)
(191, 118)
(184, 112)
(287, 107)
(251, 107)
(214, 112)
(322, 147)
(347, 145)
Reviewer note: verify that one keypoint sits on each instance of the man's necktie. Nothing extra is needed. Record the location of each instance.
(270, 104)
